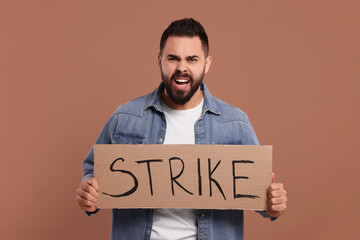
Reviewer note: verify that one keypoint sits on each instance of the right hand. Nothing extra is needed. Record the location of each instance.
(87, 194)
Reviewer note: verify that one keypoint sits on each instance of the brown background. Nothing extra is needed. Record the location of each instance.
(293, 66)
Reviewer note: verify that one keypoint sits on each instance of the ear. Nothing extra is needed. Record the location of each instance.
(207, 63)
(159, 59)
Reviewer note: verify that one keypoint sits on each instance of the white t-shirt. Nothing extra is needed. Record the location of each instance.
(177, 223)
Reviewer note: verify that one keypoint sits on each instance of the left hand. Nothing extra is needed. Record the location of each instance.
(276, 199)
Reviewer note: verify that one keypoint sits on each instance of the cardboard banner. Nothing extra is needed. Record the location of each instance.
(183, 176)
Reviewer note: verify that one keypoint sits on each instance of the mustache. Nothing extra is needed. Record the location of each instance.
(185, 75)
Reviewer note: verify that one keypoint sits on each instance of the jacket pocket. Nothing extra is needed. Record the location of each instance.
(128, 138)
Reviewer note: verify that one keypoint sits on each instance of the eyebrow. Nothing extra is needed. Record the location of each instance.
(177, 57)
(173, 56)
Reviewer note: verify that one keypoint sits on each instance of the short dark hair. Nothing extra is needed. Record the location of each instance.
(187, 27)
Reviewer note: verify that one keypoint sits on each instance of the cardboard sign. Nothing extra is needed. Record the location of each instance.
(183, 176)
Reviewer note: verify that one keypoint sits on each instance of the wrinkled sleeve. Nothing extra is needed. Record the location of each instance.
(264, 214)
(104, 138)
(251, 139)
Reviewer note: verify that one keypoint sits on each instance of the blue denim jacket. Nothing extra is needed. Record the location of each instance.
(142, 121)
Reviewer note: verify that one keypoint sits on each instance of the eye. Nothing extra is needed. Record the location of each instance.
(172, 59)
(192, 60)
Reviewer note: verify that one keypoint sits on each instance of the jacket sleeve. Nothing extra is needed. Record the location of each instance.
(251, 139)
(104, 138)
(250, 136)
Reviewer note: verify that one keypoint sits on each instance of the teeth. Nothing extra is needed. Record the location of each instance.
(181, 80)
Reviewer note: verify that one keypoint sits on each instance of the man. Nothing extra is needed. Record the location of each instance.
(180, 111)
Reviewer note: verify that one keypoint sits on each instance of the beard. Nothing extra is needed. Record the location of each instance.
(180, 97)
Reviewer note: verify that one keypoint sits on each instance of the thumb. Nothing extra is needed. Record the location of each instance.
(93, 183)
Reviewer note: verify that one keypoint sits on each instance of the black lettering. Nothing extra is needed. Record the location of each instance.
(213, 180)
(173, 179)
(132, 190)
(149, 170)
(238, 195)
(199, 178)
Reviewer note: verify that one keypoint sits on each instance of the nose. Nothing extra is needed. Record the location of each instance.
(181, 67)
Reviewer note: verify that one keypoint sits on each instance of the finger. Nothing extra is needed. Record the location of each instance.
(89, 188)
(277, 193)
(275, 186)
(86, 195)
(273, 177)
(88, 209)
(278, 208)
(83, 203)
(86, 205)
(277, 201)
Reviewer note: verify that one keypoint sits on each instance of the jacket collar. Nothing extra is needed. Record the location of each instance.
(155, 101)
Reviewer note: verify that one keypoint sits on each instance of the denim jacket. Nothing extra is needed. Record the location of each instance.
(142, 121)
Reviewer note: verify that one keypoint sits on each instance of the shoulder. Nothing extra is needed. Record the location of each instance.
(229, 112)
(223, 112)
(134, 107)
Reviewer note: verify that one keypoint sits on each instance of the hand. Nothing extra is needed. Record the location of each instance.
(276, 199)
(87, 194)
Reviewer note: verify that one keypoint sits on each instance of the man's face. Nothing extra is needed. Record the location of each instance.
(183, 66)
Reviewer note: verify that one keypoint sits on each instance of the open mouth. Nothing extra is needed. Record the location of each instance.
(181, 81)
